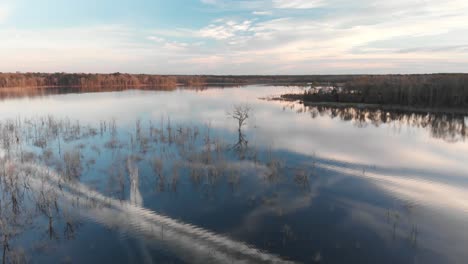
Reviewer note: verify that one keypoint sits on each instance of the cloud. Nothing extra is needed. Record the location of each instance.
(5, 12)
(170, 44)
(343, 39)
(262, 13)
(256, 4)
(104, 48)
(297, 4)
(156, 39)
(267, 36)
(222, 30)
(210, 2)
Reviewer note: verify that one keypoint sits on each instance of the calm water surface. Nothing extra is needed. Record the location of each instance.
(150, 176)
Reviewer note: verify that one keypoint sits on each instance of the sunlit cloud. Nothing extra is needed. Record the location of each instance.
(226, 29)
(255, 37)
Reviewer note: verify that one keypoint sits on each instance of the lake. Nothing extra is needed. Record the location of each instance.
(167, 176)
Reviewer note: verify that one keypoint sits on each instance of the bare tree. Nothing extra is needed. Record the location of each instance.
(241, 113)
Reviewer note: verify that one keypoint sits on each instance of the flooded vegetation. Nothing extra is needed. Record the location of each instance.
(219, 176)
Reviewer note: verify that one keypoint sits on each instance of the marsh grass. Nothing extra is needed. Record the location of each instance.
(73, 165)
(72, 224)
(288, 234)
(233, 179)
(302, 178)
(117, 180)
(175, 177)
(159, 172)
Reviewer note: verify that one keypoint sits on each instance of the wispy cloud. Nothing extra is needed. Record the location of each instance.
(262, 13)
(298, 4)
(5, 11)
(257, 36)
(255, 4)
(344, 40)
(222, 29)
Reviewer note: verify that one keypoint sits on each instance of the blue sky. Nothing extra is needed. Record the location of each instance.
(234, 37)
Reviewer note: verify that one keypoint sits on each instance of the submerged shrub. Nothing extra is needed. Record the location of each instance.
(72, 160)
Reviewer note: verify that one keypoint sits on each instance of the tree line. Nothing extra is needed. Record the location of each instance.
(431, 90)
(125, 80)
(94, 80)
(423, 90)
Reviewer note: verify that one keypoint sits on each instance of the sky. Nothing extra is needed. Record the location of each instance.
(234, 37)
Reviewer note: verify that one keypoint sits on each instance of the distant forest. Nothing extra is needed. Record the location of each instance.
(425, 90)
(432, 90)
(134, 80)
(83, 80)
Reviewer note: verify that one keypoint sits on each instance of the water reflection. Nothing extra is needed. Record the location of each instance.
(27, 92)
(50, 191)
(20, 92)
(192, 243)
(149, 185)
(445, 126)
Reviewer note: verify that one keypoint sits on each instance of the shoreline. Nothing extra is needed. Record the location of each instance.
(384, 107)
